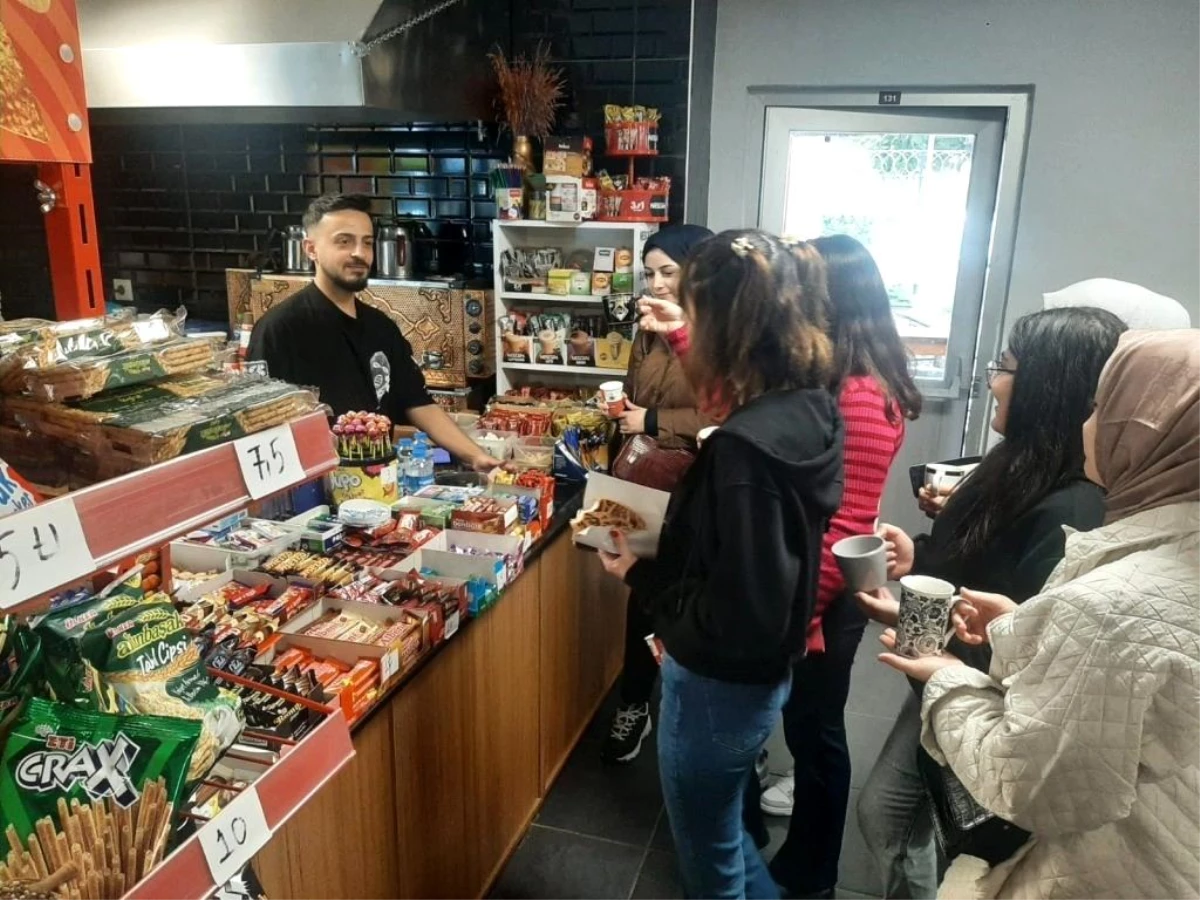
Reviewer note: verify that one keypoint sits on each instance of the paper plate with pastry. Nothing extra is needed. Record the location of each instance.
(609, 505)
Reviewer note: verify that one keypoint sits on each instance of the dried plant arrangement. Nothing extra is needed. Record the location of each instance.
(531, 91)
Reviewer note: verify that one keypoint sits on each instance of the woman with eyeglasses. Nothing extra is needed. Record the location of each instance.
(1002, 532)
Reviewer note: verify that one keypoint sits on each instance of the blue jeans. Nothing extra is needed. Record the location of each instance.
(709, 735)
(893, 812)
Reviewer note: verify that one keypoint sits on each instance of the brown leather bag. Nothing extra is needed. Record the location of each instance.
(642, 461)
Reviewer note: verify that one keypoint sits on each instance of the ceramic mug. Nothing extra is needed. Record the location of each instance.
(863, 561)
(923, 625)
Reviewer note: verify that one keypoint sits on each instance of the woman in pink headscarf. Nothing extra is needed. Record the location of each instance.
(1086, 731)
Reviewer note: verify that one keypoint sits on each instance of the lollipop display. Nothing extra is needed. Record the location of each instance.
(363, 435)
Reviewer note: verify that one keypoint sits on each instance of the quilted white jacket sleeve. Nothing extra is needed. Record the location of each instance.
(1053, 740)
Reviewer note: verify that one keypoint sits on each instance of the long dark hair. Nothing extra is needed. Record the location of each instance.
(865, 340)
(758, 318)
(1060, 354)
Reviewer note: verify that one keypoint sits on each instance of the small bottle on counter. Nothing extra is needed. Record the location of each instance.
(420, 469)
(404, 449)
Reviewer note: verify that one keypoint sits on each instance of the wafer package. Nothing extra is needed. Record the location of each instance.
(91, 789)
(83, 378)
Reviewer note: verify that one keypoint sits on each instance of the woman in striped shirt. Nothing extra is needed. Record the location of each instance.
(875, 395)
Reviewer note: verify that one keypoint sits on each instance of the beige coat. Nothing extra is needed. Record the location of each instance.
(1086, 731)
(656, 381)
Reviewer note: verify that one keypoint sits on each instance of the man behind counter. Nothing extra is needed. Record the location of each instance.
(355, 355)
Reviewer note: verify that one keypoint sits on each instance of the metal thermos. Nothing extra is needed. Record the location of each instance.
(295, 259)
(393, 252)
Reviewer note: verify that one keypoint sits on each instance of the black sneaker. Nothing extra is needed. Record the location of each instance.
(630, 727)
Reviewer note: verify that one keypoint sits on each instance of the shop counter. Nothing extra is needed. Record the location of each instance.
(453, 764)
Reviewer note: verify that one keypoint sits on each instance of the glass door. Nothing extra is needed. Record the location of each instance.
(918, 188)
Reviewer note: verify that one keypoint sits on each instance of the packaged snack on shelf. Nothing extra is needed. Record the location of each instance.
(92, 789)
(85, 377)
(15, 493)
(32, 343)
(130, 654)
(494, 515)
(615, 347)
(150, 423)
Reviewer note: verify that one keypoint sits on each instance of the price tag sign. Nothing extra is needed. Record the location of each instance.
(389, 666)
(269, 461)
(238, 832)
(42, 548)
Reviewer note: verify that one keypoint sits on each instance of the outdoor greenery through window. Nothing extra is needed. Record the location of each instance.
(905, 197)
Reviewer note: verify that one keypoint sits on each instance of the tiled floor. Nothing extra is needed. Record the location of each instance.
(603, 832)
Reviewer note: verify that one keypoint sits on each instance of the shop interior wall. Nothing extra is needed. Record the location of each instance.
(1112, 174)
(179, 203)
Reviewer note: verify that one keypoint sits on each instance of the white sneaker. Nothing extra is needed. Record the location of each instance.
(778, 799)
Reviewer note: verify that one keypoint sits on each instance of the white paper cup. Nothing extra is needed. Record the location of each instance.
(863, 561)
(704, 434)
(923, 626)
(614, 397)
(943, 476)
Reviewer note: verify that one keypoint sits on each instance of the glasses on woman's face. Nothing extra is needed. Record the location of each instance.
(996, 368)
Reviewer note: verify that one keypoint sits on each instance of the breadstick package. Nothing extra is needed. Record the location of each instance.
(91, 789)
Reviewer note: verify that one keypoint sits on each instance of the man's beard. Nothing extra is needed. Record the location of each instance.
(347, 284)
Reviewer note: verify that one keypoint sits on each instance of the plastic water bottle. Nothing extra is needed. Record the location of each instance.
(404, 450)
(420, 468)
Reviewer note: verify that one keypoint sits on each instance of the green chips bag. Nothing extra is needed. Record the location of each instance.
(58, 752)
(138, 658)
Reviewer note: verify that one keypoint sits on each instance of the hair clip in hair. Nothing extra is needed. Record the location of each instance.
(742, 246)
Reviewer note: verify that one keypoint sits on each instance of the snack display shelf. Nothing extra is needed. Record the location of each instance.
(594, 371)
(125, 515)
(282, 790)
(590, 225)
(520, 296)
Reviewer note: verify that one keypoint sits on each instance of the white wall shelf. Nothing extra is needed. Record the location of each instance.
(531, 233)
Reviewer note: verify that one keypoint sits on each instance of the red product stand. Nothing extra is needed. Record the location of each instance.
(44, 120)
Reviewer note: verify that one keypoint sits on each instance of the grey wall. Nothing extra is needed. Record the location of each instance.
(1112, 177)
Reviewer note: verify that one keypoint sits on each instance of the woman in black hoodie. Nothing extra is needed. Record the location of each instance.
(735, 579)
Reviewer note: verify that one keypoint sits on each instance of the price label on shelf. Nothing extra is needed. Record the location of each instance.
(389, 665)
(42, 548)
(269, 461)
(238, 832)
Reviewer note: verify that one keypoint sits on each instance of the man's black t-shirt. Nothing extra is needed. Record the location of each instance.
(357, 363)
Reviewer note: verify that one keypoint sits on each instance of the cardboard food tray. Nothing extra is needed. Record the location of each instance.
(648, 503)
(437, 557)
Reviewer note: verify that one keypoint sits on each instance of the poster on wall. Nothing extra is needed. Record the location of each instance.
(43, 107)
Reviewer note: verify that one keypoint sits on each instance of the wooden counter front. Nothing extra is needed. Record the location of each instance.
(449, 774)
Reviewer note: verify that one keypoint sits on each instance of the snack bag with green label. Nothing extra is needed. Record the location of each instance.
(140, 659)
(56, 752)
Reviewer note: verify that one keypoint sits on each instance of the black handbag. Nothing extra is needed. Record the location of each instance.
(963, 826)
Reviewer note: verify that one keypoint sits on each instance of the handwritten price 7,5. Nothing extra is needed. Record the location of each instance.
(269, 461)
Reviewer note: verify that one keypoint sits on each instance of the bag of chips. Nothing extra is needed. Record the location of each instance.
(79, 782)
(118, 656)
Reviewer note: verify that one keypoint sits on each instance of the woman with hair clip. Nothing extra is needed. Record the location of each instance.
(1000, 531)
(876, 395)
(735, 580)
(1086, 731)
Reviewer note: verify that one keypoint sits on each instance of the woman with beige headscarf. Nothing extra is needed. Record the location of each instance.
(1086, 731)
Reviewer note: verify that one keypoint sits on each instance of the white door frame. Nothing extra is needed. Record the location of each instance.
(1016, 102)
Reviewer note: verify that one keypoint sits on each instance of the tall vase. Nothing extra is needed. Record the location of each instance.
(523, 152)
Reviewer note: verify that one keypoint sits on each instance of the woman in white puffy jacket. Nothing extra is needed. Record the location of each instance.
(1086, 732)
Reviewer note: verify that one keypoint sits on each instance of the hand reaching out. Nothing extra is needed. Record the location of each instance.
(660, 316)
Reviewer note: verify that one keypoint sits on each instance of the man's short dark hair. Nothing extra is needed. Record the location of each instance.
(331, 203)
